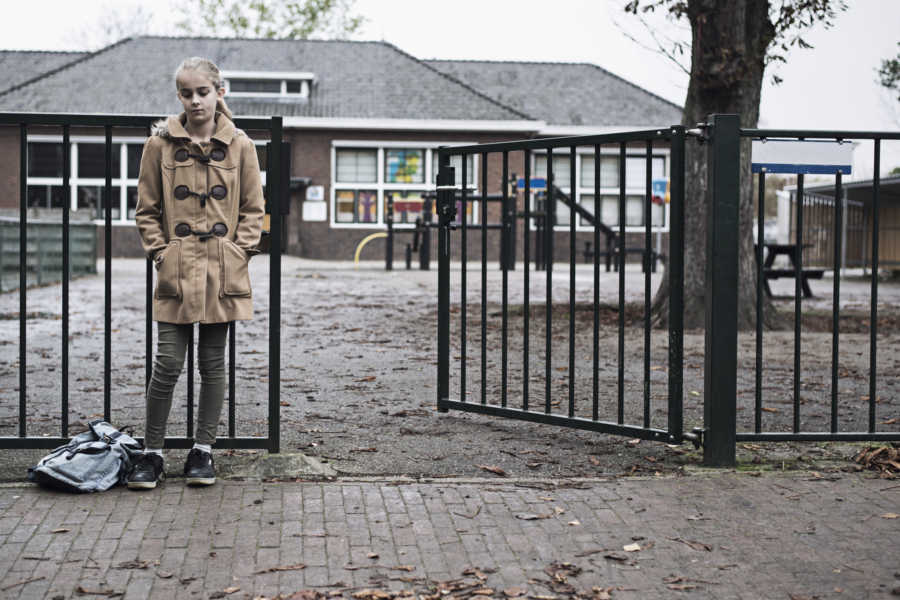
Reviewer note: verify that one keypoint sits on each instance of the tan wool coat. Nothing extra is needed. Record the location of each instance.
(199, 213)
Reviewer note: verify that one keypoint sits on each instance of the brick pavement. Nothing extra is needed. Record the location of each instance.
(707, 535)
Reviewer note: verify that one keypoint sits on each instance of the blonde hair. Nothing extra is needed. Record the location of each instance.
(209, 69)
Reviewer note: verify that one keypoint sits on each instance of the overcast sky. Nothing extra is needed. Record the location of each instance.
(830, 87)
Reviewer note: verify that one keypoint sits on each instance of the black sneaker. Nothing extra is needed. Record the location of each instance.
(146, 471)
(198, 468)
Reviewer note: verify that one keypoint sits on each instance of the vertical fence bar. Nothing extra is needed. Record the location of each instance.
(676, 286)
(526, 277)
(873, 318)
(504, 267)
(275, 290)
(573, 186)
(107, 279)
(232, 364)
(620, 260)
(595, 370)
(720, 374)
(549, 223)
(23, 269)
(66, 270)
(760, 242)
(836, 303)
(798, 313)
(389, 246)
(445, 196)
(464, 257)
(484, 214)
(648, 235)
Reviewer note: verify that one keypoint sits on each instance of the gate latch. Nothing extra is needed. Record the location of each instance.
(695, 436)
(446, 210)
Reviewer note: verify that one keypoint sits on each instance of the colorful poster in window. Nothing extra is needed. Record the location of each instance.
(404, 166)
(407, 205)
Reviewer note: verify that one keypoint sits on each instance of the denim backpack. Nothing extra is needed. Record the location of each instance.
(92, 461)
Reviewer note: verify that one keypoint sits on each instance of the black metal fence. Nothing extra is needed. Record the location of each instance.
(828, 224)
(275, 188)
(582, 409)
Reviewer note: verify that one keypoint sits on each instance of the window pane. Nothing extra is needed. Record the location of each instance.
(89, 199)
(255, 85)
(45, 159)
(456, 163)
(45, 196)
(131, 199)
(587, 172)
(609, 210)
(407, 205)
(92, 160)
(355, 206)
(609, 171)
(587, 202)
(562, 213)
(344, 211)
(293, 86)
(404, 166)
(560, 169)
(636, 170)
(355, 166)
(634, 210)
(134, 160)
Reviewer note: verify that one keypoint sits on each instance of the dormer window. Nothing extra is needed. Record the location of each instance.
(261, 84)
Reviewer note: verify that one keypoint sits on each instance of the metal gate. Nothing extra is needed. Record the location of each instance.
(276, 173)
(583, 404)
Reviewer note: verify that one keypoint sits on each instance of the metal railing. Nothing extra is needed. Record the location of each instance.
(275, 189)
(583, 413)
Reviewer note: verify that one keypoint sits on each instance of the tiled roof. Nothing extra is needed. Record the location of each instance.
(564, 93)
(353, 80)
(19, 66)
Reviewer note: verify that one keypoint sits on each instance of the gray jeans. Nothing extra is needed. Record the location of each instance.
(171, 348)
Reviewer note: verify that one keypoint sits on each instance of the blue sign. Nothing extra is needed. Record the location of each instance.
(537, 183)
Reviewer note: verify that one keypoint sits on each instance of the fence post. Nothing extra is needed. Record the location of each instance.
(722, 241)
(275, 201)
(445, 210)
(389, 246)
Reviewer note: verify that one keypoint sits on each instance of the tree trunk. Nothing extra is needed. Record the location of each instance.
(729, 43)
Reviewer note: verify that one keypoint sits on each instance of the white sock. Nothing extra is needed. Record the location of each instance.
(157, 451)
(205, 447)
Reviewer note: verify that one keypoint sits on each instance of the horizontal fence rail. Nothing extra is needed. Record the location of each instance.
(600, 405)
(821, 234)
(274, 190)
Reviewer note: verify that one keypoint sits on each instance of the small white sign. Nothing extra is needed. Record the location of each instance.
(315, 192)
(315, 211)
(802, 156)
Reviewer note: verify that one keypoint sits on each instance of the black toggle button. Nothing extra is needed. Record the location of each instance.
(182, 192)
(182, 155)
(217, 154)
(218, 192)
(182, 230)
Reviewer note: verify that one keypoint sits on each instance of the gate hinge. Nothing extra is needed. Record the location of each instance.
(695, 436)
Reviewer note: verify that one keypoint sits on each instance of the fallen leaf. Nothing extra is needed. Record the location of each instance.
(893, 421)
(133, 564)
(492, 469)
(61, 530)
(633, 442)
(694, 545)
(483, 592)
(631, 547)
(370, 449)
(533, 516)
(406, 568)
(83, 591)
(304, 595)
(164, 574)
(769, 409)
(594, 461)
(365, 379)
(296, 567)
(890, 516)
(370, 594)
(514, 592)
(574, 523)
(372, 555)
(615, 557)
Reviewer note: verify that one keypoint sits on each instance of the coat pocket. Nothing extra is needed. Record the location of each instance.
(235, 275)
(168, 276)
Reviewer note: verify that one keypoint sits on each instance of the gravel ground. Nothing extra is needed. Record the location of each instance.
(358, 370)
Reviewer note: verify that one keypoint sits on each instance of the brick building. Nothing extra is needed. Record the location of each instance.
(363, 119)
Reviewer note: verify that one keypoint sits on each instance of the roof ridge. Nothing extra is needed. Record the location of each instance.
(251, 39)
(32, 51)
(64, 66)
(459, 82)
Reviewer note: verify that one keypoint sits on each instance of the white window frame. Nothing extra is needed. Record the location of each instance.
(381, 186)
(124, 182)
(580, 152)
(307, 80)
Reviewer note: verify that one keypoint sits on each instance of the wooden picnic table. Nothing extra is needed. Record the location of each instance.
(773, 251)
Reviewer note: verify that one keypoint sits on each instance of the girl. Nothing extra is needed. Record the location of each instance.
(199, 213)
